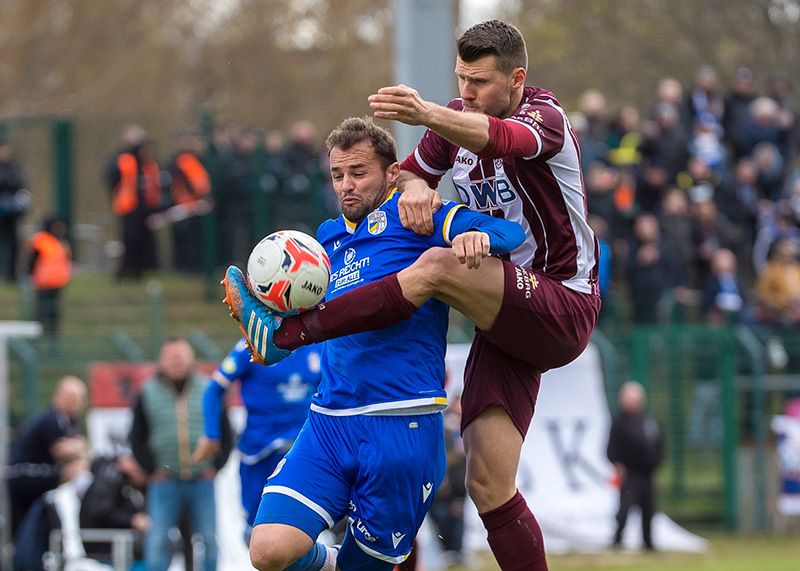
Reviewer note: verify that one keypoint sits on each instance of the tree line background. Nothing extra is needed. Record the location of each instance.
(268, 63)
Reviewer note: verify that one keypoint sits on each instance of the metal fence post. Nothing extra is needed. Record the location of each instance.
(62, 170)
(730, 432)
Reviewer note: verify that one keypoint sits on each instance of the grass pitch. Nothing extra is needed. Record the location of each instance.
(726, 553)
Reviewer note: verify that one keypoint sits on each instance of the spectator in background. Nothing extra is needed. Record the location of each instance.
(191, 198)
(711, 232)
(594, 130)
(705, 95)
(664, 154)
(14, 202)
(764, 126)
(651, 270)
(635, 448)
(706, 144)
(135, 182)
(276, 398)
(676, 228)
(56, 508)
(624, 138)
(778, 286)
(737, 111)
(723, 297)
(670, 91)
(777, 222)
(167, 426)
(778, 90)
(49, 269)
(40, 450)
(115, 500)
(770, 167)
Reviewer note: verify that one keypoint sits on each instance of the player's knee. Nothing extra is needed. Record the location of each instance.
(266, 554)
(435, 266)
(488, 491)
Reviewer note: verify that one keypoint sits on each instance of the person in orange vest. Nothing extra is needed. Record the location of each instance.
(135, 181)
(50, 269)
(191, 199)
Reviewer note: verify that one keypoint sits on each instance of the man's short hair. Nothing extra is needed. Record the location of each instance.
(496, 38)
(354, 130)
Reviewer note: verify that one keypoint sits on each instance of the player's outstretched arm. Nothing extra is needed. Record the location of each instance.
(404, 104)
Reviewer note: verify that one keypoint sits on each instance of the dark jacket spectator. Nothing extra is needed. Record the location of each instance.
(36, 456)
(723, 297)
(636, 448)
(14, 202)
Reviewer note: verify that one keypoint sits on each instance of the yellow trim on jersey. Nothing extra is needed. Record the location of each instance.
(440, 400)
(447, 221)
(350, 226)
(391, 194)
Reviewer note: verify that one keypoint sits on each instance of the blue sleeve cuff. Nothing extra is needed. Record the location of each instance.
(504, 235)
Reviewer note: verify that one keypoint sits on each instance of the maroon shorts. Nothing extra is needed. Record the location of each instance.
(542, 325)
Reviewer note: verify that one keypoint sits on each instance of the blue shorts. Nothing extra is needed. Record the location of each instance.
(381, 472)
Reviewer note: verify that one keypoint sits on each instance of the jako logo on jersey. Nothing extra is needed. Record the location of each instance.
(487, 194)
(465, 160)
(397, 537)
(376, 222)
(349, 255)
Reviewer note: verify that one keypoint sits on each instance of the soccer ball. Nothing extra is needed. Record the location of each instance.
(288, 271)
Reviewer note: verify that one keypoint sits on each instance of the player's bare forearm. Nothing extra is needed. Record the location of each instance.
(404, 104)
(467, 130)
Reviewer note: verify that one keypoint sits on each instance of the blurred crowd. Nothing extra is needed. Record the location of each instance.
(696, 201)
(254, 181)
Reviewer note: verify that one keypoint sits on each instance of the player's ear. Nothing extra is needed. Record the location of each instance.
(518, 78)
(392, 173)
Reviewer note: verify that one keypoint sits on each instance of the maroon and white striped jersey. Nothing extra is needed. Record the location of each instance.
(542, 191)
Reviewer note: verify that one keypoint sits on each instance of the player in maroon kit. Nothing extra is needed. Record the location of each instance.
(512, 153)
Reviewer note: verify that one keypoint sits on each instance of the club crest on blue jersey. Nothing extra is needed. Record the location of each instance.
(376, 222)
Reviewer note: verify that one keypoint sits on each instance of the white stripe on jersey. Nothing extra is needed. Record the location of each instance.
(541, 221)
(425, 166)
(377, 555)
(567, 172)
(535, 135)
(310, 504)
(428, 405)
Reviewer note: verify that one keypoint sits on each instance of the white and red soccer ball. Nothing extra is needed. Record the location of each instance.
(289, 270)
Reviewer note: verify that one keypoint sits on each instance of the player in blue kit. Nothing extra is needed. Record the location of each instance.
(372, 448)
(276, 399)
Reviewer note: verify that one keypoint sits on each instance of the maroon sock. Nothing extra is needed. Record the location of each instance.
(515, 536)
(372, 306)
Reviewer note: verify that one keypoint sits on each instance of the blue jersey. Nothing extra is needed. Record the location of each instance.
(402, 366)
(276, 397)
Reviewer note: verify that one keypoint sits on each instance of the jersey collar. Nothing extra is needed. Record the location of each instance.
(350, 226)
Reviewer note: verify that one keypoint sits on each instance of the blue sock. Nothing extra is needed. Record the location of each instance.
(311, 561)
